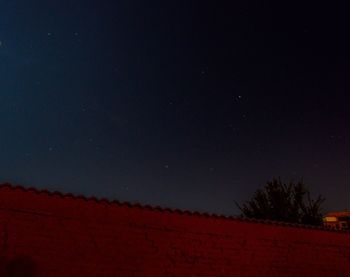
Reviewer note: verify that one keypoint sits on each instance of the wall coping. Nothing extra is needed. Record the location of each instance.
(165, 209)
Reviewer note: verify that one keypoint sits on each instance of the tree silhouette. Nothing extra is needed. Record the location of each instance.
(284, 202)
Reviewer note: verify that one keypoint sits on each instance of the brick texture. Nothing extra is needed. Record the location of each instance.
(51, 234)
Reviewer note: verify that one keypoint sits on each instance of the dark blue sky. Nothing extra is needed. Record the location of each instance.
(185, 104)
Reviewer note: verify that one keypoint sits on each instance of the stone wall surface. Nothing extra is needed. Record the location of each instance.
(51, 234)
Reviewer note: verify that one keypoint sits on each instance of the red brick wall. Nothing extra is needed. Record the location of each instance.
(51, 235)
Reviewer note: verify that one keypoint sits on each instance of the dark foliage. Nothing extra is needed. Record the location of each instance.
(284, 202)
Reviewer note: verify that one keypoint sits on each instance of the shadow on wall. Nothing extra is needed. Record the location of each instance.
(19, 266)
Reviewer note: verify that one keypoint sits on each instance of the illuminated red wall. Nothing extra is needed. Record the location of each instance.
(54, 235)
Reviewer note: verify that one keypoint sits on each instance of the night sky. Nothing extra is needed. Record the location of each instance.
(183, 104)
